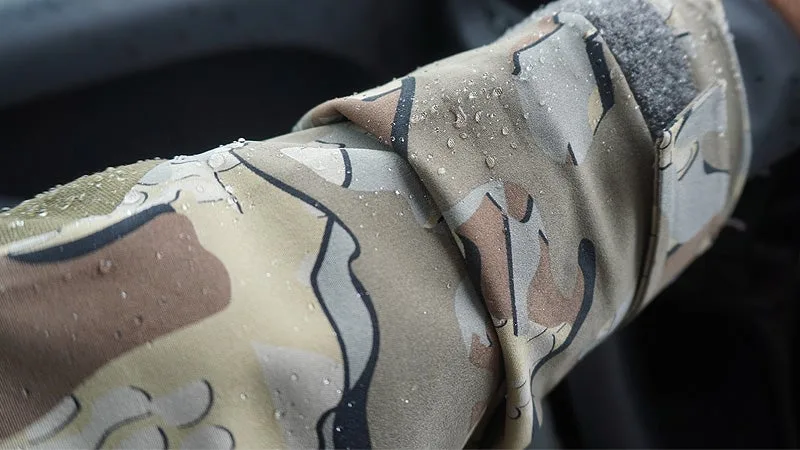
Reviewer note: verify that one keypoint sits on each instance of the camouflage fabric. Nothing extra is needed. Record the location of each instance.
(411, 262)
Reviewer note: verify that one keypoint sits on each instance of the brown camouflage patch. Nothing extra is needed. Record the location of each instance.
(546, 305)
(484, 356)
(375, 115)
(543, 28)
(518, 201)
(62, 321)
(486, 230)
(325, 114)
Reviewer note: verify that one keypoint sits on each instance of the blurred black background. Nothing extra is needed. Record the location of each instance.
(83, 86)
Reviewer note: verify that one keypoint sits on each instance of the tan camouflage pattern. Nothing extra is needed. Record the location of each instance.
(410, 263)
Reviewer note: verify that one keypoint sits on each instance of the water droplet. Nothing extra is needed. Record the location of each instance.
(132, 197)
(123, 294)
(294, 377)
(243, 396)
(405, 400)
(497, 92)
(451, 143)
(461, 117)
(513, 145)
(216, 161)
(75, 316)
(278, 414)
(463, 135)
(159, 256)
(241, 140)
(478, 116)
(104, 266)
(338, 429)
(137, 320)
(441, 171)
(504, 130)
(26, 392)
(200, 188)
(43, 214)
(326, 381)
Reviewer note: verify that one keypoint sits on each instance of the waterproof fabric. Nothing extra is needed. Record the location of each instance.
(411, 264)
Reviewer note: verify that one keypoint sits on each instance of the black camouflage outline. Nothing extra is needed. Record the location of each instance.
(348, 166)
(351, 420)
(528, 210)
(95, 241)
(205, 412)
(509, 263)
(164, 438)
(62, 425)
(602, 75)
(709, 169)
(402, 116)
(587, 261)
(595, 52)
(515, 57)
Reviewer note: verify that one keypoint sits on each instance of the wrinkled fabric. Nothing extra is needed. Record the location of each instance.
(410, 263)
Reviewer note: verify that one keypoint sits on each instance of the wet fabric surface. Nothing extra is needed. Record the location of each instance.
(407, 260)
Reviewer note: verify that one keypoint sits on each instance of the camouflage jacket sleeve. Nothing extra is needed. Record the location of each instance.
(410, 264)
